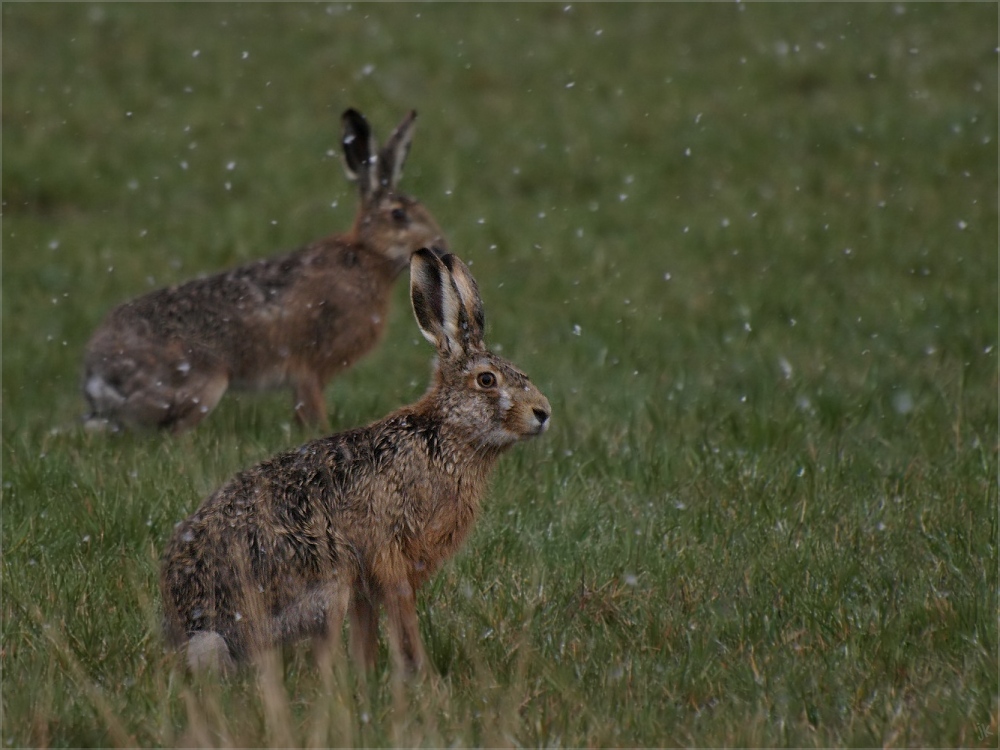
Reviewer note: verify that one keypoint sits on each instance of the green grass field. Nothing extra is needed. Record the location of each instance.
(748, 251)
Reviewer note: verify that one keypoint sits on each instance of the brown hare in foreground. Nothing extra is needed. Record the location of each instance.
(355, 521)
(164, 360)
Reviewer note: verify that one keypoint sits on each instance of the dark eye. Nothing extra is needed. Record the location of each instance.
(399, 215)
(486, 380)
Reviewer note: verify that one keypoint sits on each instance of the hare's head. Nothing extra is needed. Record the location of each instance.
(388, 221)
(479, 394)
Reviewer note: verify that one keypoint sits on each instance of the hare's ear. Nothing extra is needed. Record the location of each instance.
(435, 302)
(393, 154)
(471, 318)
(359, 152)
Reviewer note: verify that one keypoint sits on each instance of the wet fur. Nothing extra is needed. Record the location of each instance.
(164, 360)
(349, 523)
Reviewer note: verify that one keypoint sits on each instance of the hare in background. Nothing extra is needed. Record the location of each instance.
(359, 520)
(163, 360)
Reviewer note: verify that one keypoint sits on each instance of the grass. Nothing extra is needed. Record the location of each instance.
(748, 251)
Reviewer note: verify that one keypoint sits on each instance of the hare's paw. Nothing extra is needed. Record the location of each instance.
(207, 652)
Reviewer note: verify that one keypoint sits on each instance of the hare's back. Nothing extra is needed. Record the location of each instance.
(317, 309)
(212, 306)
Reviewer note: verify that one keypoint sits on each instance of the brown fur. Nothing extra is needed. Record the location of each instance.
(361, 519)
(165, 359)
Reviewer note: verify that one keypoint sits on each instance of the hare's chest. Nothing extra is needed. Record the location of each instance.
(441, 536)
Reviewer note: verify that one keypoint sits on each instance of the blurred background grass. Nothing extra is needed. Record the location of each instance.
(748, 251)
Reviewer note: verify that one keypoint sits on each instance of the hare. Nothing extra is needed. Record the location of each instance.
(358, 520)
(164, 360)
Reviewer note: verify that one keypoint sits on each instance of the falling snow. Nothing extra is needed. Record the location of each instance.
(786, 367)
(902, 402)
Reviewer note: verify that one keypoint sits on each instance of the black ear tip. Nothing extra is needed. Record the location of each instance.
(427, 254)
(353, 117)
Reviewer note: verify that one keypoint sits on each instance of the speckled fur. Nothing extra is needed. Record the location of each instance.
(165, 359)
(348, 523)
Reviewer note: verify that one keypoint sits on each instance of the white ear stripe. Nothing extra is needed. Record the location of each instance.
(425, 282)
(465, 289)
(373, 169)
(450, 306)
(437, 303)
(395, 151)
(471, 318)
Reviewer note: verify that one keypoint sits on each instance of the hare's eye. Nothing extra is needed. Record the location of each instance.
(486, 380)
(399, 215)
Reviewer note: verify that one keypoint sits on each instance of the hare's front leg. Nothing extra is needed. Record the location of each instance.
(404, 630)
(310, 407)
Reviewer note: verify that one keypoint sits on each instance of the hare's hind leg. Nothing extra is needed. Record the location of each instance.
(207, 651)
(193, 401)
(105, 401)
(318, 612)
(173, 406)
(161, 386)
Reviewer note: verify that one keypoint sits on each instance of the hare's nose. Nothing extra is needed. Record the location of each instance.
(541, 415)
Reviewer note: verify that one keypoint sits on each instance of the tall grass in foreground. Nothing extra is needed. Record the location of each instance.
(748, 251)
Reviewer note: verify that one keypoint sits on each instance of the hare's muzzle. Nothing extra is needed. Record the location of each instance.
(540, 412)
